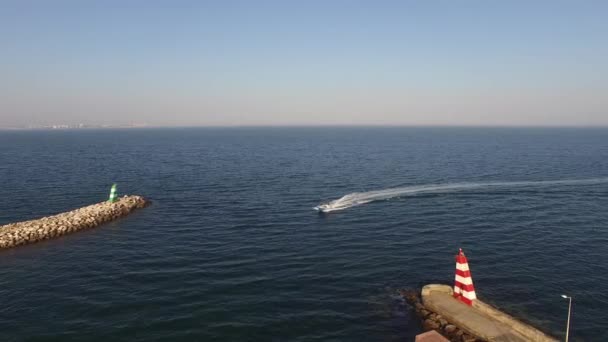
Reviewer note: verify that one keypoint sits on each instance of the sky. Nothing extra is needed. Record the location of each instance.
(330, 62)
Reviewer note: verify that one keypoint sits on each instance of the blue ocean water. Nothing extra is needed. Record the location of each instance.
(231, 249)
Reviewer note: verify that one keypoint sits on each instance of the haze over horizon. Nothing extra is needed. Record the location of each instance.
(239, 63)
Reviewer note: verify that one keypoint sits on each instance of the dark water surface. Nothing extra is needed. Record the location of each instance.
(232, 251)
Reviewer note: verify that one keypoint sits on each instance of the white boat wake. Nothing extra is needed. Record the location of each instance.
(359, 198)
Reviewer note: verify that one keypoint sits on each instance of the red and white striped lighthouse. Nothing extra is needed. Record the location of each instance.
(463, 286)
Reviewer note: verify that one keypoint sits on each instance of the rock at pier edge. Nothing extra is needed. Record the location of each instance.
(26, 232)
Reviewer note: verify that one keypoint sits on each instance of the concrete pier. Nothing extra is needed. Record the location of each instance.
(26, 232)
(480, 320)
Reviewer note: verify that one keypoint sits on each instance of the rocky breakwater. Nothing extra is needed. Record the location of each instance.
(26, 232)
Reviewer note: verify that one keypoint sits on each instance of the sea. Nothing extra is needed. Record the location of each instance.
(231, 248)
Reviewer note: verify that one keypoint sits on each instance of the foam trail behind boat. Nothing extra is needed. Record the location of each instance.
(359, 198)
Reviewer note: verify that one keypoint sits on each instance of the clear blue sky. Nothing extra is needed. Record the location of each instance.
(304, 62)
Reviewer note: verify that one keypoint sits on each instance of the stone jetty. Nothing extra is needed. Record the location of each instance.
(26, 232)
(434, 321)
(439, 311)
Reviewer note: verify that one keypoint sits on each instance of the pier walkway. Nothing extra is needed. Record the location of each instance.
(480, 320)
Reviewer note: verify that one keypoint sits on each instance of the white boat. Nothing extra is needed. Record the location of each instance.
(322, 208)
(331, 206)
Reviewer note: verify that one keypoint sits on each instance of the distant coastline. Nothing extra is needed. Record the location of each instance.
(72, 127)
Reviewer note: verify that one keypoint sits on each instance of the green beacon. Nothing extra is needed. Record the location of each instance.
(113, 194)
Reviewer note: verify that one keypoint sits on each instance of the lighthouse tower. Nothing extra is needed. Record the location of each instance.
(463, 285)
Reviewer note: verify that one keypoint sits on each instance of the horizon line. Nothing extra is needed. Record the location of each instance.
(109, 127)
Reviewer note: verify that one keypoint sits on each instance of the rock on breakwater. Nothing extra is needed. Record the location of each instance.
(26, 232)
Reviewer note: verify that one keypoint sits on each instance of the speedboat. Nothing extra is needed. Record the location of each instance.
(323, 208)
(332, 206)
